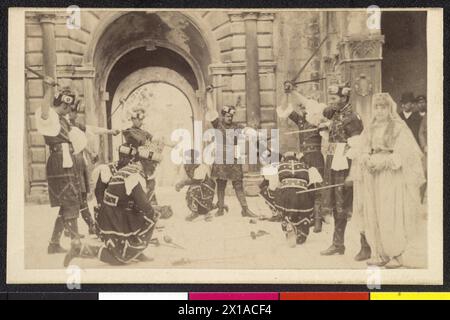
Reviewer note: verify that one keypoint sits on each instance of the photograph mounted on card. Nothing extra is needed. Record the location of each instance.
(280, 146)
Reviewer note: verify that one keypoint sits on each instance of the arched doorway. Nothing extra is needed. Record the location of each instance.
(169, 101)
(138, 40)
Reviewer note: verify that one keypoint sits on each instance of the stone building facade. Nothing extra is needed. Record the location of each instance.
(248, 55)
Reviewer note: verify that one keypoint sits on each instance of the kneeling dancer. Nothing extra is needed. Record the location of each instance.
(126, 219)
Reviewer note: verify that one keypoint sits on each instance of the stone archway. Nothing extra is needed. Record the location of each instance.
(170, 104)
(156, 75)
(122, 34)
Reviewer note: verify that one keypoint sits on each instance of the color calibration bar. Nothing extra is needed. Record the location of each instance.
(272, 296)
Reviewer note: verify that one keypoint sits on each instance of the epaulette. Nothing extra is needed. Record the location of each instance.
(103, 172)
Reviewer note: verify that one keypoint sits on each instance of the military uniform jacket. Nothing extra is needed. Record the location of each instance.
(309, 141)
(63, 183)
(294, 176)
(223, 170)
(345, 123)
(126, 210)
(102, 174)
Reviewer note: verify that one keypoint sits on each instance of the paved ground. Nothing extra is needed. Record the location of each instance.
(223, 243)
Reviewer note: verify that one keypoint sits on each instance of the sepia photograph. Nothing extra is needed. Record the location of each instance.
(225, 145)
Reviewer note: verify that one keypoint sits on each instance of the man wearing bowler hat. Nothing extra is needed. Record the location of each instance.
(411, 117)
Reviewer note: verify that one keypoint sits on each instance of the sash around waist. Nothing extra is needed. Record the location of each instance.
(57, 147)
(293, 183)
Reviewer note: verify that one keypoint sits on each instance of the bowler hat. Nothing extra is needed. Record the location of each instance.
(407, 97)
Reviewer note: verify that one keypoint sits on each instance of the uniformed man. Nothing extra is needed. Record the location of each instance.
(294, 176)
(136, 136)
(81, 165)
(63, 184)
(103, 173)
(307, 115)
(221, 170)
(202, 187)
(126, 219)
(344, 123)
(267, 187)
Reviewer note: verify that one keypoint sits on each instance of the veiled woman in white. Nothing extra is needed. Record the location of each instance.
(391, 176)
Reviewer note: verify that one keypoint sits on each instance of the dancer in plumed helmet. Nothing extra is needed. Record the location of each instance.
(126, 220)
(64, 188)
(81, 163)
(344, 123)
(223, 171)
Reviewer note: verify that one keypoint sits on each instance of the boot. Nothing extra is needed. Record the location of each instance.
(290, 232)
(86, 215)
(221, 185)
(55, 248)
(317, 217)
(317, 222)
(107, 257)
(246, 212)
(72, 227)
(192, 216)
(365, 252)
(332, 250)
(220, 211)
(340, 225)
(301, 239)
(275, 218)
(208, 217)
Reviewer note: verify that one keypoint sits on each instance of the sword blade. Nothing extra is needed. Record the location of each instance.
(321, 188)
(309, 60)
(301, 131)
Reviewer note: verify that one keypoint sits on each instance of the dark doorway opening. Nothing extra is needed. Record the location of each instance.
(141, 58)
(404, 66)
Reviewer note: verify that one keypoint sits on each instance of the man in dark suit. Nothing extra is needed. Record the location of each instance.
(411, 117)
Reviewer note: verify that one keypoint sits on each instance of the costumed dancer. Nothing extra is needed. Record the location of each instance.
(126, 220)
(307, 114)
(136, 136)
(344, 123)
(268, 185)
(81, 164)
(63, 184)
(201, 191)
(102, 174)
(294, 175)
(221, 170)
(392, 177)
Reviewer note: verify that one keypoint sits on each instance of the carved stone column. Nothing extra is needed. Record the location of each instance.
(360, 56)
(38, 188)
(252, 76)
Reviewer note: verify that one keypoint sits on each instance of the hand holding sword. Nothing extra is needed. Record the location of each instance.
(47, 79)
